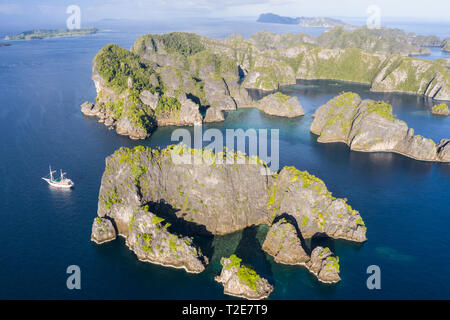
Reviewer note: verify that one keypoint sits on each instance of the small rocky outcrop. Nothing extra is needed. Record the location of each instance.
(369, 126)
(102, 230)
(149, 239)
(147, 236)
(283, 244)
(214, 114)
(281, 105)
(324, 265)
(440, 109)
(242, 281)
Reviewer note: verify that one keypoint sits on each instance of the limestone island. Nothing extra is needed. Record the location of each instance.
(370, 126)
(440, 109)
(186, 79)
(283, 243)
(172, 79)
(42, 34)
(311, 22)
(241, 280)
(221, 199)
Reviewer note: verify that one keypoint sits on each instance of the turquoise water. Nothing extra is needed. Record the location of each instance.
(403, 202)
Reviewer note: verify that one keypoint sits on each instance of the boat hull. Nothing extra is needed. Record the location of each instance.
(59, 186)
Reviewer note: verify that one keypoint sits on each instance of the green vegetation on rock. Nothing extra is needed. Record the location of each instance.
(116, 65)
(111, 198)
(381, 108)
(245, 273)
(440, 108)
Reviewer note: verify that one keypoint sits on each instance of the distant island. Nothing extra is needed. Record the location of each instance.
(370, 126)
(314, 22)
(42, 34)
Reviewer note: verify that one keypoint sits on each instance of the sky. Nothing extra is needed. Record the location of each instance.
(26, 12)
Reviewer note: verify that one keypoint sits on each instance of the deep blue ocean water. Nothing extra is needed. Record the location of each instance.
(404, 203)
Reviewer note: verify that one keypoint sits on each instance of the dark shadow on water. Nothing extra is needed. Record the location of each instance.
(293, 221)
(249, 250)
(322, 241)
(202, 238)
(256, 94)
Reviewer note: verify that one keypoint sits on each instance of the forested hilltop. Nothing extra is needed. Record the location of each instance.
(186, 79)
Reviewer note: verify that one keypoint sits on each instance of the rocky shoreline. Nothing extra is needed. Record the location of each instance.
(141, 89)
(370, 126)
(284, 245)
(212, 195)
(169, 79)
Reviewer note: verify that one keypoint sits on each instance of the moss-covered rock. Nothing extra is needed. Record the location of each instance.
(283, 243)
(102, 230)
(203, 188)
(324, 265)
(440, 109)
(241, 280)
(150, 240)
(369, 126)
(281, 105)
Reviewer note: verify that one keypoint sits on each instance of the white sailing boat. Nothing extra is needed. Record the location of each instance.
(61, 182)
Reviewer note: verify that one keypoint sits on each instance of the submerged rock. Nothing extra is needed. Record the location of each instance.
(102, 230)
(242, 281)
(369, 126)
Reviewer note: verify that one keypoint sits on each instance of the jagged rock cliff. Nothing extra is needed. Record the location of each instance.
(222, 197)
(242, 280)
(443, 148)
(102, 230)
(284, 244)
(281, 105)
(324, 265)
(166, 79)
(200, 188)
(151, 242)
(370, 126)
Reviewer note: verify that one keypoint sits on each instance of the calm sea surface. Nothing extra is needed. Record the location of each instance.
(404, 203)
